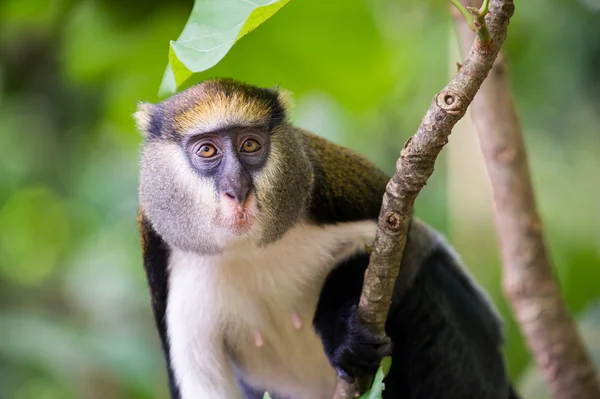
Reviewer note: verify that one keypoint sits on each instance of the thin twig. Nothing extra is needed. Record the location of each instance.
(475, 17)
(464, 12)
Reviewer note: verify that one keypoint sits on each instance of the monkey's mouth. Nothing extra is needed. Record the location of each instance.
(239, 223)
(237, 218)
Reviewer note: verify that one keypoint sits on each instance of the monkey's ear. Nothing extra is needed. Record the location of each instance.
(146, 117)
(284, 97)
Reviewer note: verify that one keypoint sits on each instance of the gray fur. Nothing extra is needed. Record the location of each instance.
(169, 195)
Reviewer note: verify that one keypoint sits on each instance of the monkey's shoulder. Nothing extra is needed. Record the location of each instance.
(347, 186)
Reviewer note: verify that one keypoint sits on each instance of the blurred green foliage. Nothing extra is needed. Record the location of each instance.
(75, 320)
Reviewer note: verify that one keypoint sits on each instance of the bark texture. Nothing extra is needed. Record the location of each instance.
(413, 168)
(529, 280)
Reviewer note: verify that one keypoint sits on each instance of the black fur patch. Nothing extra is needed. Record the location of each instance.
(156, 258)
(446, 338)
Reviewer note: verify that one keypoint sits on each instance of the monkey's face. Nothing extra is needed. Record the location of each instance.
(216, 171)
(217, 189)
(230, 158)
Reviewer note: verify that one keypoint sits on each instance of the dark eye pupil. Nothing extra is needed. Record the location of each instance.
(206, 148)
(249, 143)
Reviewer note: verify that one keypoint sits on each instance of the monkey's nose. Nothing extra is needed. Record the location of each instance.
(235, 184)
(237, 193)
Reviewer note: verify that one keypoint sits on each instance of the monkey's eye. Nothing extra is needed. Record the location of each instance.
(206, 151)
(250, 145)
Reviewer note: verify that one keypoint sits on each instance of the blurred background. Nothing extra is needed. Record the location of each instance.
(75, 320)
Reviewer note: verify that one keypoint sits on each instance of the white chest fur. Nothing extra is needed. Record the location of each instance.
(252, 308)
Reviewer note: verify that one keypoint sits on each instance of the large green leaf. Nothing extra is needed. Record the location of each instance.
(211, 30)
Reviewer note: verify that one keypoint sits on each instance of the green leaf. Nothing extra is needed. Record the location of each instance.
(378, 386)
(211, 30)
(386, 364)
(260, 15)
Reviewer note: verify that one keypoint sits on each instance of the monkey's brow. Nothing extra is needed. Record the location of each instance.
(227, 129)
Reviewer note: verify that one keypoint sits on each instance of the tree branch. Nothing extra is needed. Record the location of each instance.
(415, 165)
(529, 280)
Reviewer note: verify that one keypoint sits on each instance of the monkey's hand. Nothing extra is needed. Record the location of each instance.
(356, 350)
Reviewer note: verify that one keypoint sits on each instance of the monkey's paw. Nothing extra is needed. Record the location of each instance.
(359, 350)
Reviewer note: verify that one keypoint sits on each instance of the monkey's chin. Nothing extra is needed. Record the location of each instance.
(237, 224)
(240, 228)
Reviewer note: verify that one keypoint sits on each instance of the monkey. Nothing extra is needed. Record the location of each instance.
(254, 235)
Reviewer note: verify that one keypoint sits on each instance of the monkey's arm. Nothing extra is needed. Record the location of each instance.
(446, 338)
(352, 348)
(156, 255)
(347, 188)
